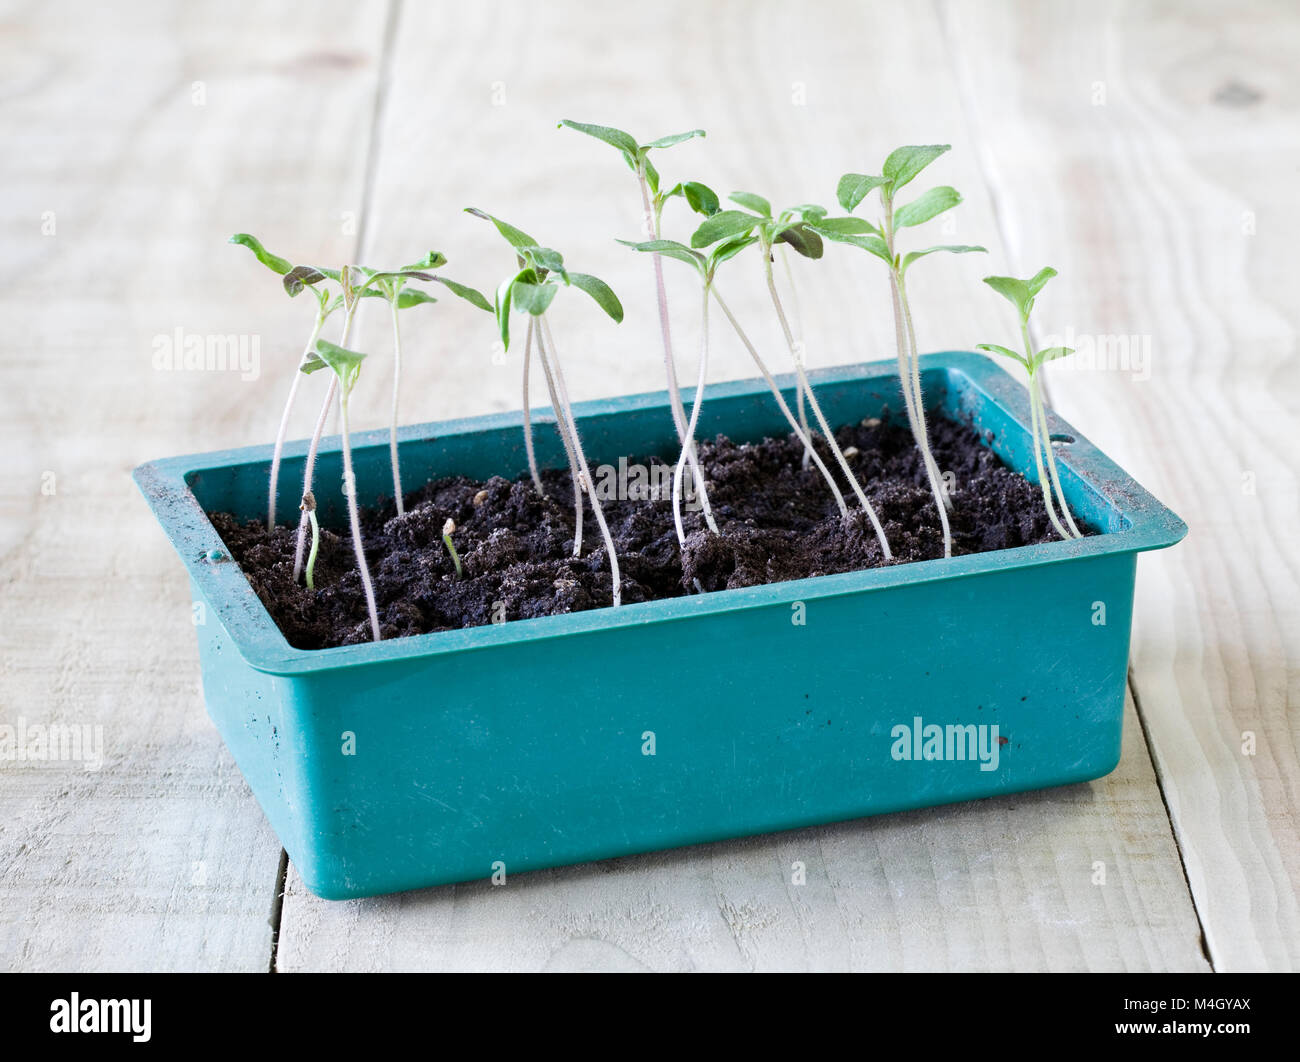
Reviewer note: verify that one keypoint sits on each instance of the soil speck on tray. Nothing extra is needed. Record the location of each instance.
(778, 521)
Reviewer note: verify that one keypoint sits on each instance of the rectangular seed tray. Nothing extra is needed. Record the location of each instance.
(448, 756)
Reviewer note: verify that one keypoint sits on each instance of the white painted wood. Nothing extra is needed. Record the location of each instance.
(1000, 884)
(1149, 153)
(150, 132)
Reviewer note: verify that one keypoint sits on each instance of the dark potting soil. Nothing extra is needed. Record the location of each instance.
(778, 521)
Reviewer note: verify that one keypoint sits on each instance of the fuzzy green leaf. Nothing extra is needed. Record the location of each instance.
(345, 363)
(803, 239)
(669, 249)
(413, 297)
(675, 138)
(272, 262)
(854, 187)
(300, 277)
(532, 298)
(750, 201)
(870, 243)
(1038, 280)
(1015, 291)
(501, 307)
(906, 162)
(699, 197)
(723, 226)
(931, 204)
(546, 258)
(833, 227)
(651, 174)
(517, 238)
(1051, 354)
(952, 248)
(726, 251)
(601, 292)
(471, 295)
(994, 348)
(432, 260)
(614, 137)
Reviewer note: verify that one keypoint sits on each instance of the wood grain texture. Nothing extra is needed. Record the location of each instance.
(1003, 885)
(149, 133)
(1149, 152)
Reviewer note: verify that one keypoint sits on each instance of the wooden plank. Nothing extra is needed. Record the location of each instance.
(150, 133)
(787, 102)
(1003, 884)
(1149, 154)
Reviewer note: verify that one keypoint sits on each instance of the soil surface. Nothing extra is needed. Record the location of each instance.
(777, 520)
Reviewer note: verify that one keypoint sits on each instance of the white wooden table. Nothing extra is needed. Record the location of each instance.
(1148, 151)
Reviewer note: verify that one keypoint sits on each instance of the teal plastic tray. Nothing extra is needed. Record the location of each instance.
(463, 754)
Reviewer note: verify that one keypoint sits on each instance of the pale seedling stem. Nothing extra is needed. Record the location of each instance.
(528, 416)
(548, 350)
(312, 448)
(766, 248)
(392, 429)
(283, 431)
(802, 435)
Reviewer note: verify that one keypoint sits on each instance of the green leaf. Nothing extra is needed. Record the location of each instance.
(272, 262)
(471, 295)
(906, 162)
(546, 258)
(413, 297)
(517, 238)
(699, 197)
(750, 201)
(601, 292)
(931, 204)
(669, 249)
(300, 277)
(809, 212)
(432, 260)
(501, 307)
(993, 348)
(676, 138)
(723, 226)
(952, 248)
(1051, 354)
(529, 297)
(854, 187)
(345, 363)
(614, 137)
(1014, 291)
(726, 251)
(1038, 280)
(871, 244)
(803, 239)
(833, 227)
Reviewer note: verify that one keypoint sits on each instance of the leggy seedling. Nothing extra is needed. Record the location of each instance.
(880, 240)
(653, 198)
(1021, 295)
(540, 274)
(791, 227)
(707, 268)
(392, 286)
(326, 304)
(346, 367)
